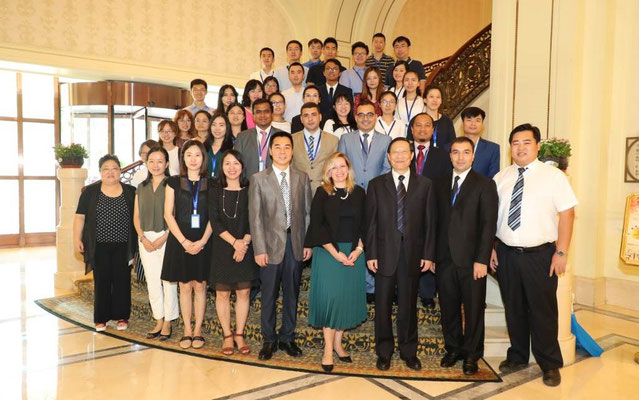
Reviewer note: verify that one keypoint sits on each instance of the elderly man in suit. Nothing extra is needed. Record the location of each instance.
(400, 243)
(432, 163)
(312, 146)
(279, 212)
(467, 208)
(367, 151)
(253, 143)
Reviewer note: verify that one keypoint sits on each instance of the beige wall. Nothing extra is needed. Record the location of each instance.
(437, 28)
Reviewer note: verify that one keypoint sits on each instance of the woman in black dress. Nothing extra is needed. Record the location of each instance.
(103, 231)
(187, 255)
(444, 132)
(233, 267)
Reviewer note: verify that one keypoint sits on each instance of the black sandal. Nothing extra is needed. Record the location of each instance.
(199, 339)
(188, 339)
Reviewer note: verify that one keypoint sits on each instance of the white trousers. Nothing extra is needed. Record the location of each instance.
(162, 294)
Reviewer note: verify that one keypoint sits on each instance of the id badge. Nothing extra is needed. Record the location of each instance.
(195, 221)
(261, 165)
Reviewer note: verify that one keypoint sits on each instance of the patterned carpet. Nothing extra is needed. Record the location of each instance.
(78, 309)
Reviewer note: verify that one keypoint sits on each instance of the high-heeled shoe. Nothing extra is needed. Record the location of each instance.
(244, 349)
(346, 359)
(228, 351)
(327, 367)
(163, 337)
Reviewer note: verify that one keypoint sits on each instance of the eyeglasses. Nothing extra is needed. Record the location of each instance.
(387, 102)
(270, 85)
(359, 54)
(400, 46)
(367, 115)
(165, 132)
(277, 103)
(331, 69)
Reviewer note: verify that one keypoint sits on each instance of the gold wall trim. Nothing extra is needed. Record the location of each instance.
(552, 23)
(512, 121)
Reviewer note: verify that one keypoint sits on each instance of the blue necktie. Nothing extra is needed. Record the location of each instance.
(514, 213)
(455, 191)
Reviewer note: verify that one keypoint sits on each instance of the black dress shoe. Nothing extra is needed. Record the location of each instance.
(428, 303)
(450, 359)
(383, 364)
(346, 359)
(327, 367)
(153, 335)
(291, 349)
(267, 351)
(413, 363)
(508, 366)
(370, 298)
(163, 337)
(552, 377)
(470, 366)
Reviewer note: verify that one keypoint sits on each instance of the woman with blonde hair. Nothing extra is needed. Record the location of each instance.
(338, 289)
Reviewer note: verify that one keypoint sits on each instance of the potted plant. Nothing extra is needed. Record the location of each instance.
(555, 151)
(71, 156)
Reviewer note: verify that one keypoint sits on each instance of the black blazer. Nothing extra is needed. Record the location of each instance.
(87, 206)
(466, 231)
(326, 105)
(382, 237)
(437, 163)
(325, 218)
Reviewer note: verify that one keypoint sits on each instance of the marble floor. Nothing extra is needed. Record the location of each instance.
(44, 357)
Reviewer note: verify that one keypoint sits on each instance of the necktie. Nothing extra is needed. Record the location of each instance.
(365, 146)
(330, 93)
(263, 146)
(514, 213)
(401, 197)
(286, 193)
(420, 158)
(455, 191)
(311, 148)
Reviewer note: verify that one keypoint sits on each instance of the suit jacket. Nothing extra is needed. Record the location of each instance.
(437, 163)
(296, 123)
(370, 167)
(466, 230)
(328, 145)
(486, 158)
(326, 105)
(267, 214)
(383, 239)
(246, 143)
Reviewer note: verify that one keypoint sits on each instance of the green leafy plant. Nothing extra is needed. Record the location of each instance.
(71, 151)
(554, 148)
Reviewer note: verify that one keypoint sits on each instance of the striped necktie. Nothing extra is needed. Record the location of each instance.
(514, 213)
(401, 199)
(311, 147)
(286, 193)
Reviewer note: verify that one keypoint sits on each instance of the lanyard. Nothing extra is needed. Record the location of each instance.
(213, 164)
(316, 146)
(196, 196)
(391, 127)
(260, 148)
(361, 78)
(408, 112)
(420, 166)
(435, 136)
(361, 142)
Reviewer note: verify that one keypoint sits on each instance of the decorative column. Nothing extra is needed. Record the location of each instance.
(70, 264)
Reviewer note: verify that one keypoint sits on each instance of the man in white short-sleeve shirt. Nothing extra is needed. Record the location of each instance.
(534, 228)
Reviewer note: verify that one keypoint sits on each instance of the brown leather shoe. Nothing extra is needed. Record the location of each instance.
(552, 377)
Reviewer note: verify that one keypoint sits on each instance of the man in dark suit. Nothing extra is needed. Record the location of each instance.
(279, 214)
(253, 143)
(466, 223)
(400, 243)
(486, 152)
(316, 73)
(432, 163)
(329, 90)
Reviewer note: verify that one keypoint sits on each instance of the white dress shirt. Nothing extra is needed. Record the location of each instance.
(546, 193)
(261, 75)
(294, 101)
(395, 129)
(461, 176)
(278, 174)
(369, 139)
(316, 139)
(396, 178)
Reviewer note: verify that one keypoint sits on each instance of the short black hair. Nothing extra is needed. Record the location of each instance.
(199, 81)
(472, 112)
(388, 93)
(412, 120)
(297, 42)
(310, 87)
(108, 157)
(331, 40)
(221, 179)
(526, 127)
(462, 139)
(271, 78)
(150, 144)
(399, 139)
(315, 41)
(364, 102)
(270, 97)
(296, 64)
(401, 39)
(279, 134)
(258, 102)
(379, 34)
(267, 49)
(359, 44)
(334, 61)
(310, 104)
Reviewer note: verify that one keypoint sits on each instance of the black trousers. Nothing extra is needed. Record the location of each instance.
(530, 301)
(456, 286)
(427, 286)
(406, 314)
(287, 274)
(112, 282)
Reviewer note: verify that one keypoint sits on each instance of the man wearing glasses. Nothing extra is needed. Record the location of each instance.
(353, 78)
(401, 47)
(332, 87)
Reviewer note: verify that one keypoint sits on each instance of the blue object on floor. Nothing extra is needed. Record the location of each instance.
(584, 340)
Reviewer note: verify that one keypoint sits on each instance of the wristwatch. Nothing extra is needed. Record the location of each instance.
(560, 253)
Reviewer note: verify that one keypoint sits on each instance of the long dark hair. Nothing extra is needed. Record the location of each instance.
(250, 85)
(185, 147)
(149, 177)
(244, 125)
(350, 117)
(227, 142)
(220, 105)
(221, 179)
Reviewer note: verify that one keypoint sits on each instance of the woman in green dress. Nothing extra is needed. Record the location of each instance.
(338, 292)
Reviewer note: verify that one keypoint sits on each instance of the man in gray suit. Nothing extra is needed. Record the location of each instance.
(279, 214)
(312, 146)
(367, 151)
(253, 143)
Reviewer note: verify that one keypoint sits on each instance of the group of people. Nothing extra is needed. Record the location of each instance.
(383, 198)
